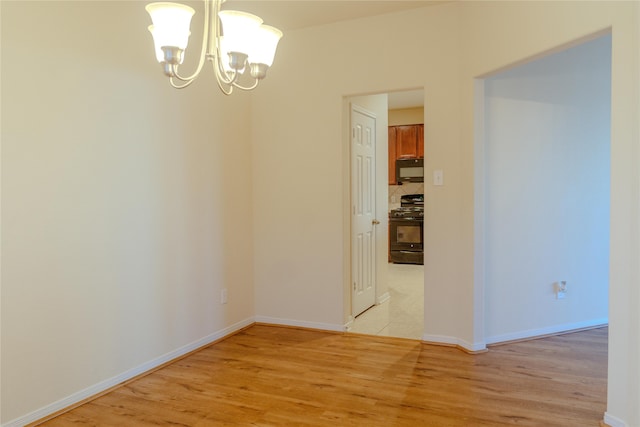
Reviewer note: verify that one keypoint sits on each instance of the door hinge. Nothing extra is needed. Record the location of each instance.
(354, 286)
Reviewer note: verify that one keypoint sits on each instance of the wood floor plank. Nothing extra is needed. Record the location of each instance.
(273, 376)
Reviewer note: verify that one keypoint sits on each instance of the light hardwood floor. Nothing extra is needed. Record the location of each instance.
(275, 376)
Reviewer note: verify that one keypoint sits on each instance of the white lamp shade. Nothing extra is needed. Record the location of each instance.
(264, 45)
(170, 27)
(163, 39)
(239, 30)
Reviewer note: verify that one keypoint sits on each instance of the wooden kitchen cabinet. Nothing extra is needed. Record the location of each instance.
(420, 140)
(392, 155)
(405, 142)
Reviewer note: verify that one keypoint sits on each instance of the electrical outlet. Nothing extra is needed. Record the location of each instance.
(223, 296)
(561, 289)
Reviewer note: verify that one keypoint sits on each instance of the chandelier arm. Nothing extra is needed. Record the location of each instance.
(215, 52)
(178, 86)
(215, 34)
(203, 49)
(220, 72)
(215, 48)
(221, 84)
(225, 86)
(222, 78)
(253, 86)
(226, 90)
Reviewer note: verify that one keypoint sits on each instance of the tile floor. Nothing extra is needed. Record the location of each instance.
(402, 315)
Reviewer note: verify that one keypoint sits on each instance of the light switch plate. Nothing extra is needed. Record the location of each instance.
(438, 177)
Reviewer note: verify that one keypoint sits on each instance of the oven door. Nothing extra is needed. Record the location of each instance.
(405, 240)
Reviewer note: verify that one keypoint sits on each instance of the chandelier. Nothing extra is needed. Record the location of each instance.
(236, 43)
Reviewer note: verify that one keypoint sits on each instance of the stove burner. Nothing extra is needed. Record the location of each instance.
(407, 212)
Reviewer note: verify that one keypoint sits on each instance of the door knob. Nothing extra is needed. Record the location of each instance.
(375, 222)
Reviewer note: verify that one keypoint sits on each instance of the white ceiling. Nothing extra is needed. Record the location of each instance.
(296, 14)
(406, 99)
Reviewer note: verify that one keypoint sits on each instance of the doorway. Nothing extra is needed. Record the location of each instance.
(398, 309)
(543, 174)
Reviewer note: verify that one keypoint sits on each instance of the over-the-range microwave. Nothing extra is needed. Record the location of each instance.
(409, 170)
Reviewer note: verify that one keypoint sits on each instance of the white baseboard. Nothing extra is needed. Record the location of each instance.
(614, 421)
(447, 340)
(127, 375)
(347, 326)
(383, 298)
(531, 333)
(300, 324)
(379, 300)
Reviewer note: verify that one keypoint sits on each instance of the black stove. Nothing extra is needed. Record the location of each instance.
(407, 212)
(406, 230)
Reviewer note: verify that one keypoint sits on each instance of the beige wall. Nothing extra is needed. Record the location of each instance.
(310, 127)
(457, 42)
(126, 206)
(406, 116)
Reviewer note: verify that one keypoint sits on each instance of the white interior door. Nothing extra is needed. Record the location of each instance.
(363, 202)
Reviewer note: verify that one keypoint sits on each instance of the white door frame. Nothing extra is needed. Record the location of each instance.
(479, 217)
